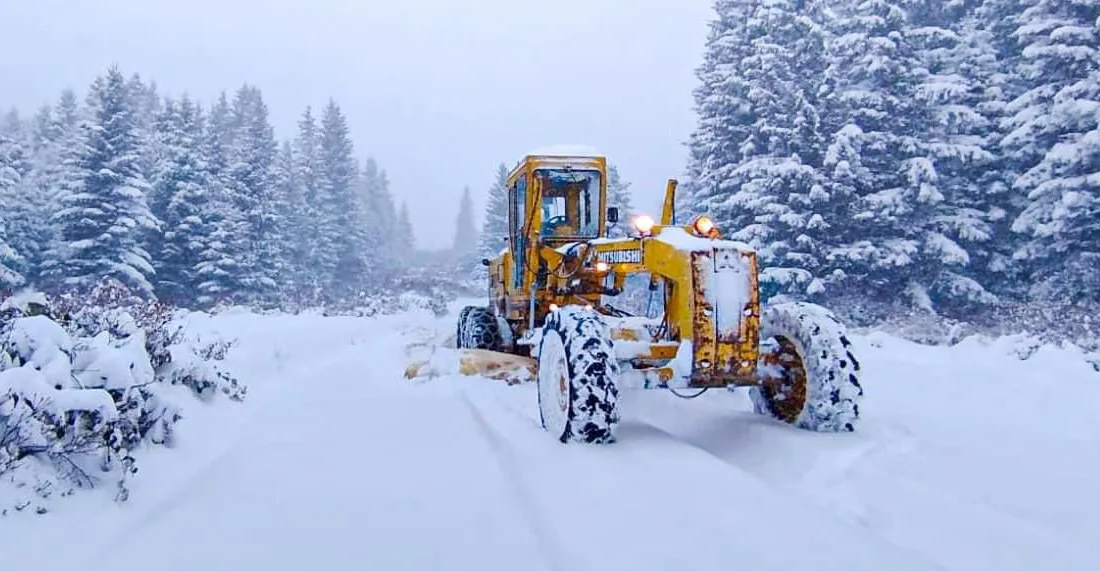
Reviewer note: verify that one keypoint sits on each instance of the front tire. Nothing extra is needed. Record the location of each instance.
(478, 328)
(577, 391)
(811, 378)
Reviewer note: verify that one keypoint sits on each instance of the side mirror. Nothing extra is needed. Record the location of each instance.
(612, 214)
(485, 261)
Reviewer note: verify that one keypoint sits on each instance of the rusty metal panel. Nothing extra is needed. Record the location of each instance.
(702, 319)
(724, 357)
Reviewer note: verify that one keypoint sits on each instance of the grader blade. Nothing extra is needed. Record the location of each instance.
(512, 369)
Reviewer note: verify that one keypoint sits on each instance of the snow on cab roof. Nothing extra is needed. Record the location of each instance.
(565, 151)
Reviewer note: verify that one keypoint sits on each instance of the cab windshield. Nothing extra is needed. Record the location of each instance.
(570, 201)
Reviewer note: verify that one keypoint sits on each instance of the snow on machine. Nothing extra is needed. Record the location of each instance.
(547, 318)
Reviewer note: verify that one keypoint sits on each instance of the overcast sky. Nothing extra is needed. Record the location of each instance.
(438, 92)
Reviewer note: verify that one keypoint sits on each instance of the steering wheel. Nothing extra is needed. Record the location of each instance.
(575, 255)
(553, 223)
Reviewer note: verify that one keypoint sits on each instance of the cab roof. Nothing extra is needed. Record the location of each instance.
(579, 155)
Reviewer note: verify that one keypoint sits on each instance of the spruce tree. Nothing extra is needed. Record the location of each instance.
(147, 106)
(758, 148)
(494, 229)
(296, 281)
(180, 183)
(341, 221)
(220, 271)
(619, 196)
(251, 158)
(1053, 140)
(465, 238)
(990, 29)
(10, 179)
(879, 161)
(957, 62)
(20, 200)
(104, 214)
(405, 236)
(58, 169)
(306, 147)
(724, 114)
(378, 252)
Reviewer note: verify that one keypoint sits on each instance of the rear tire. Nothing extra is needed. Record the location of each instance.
(478, 328)
(577, 371)
(816, 380)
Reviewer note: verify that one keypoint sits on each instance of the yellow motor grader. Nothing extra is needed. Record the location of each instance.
(547, 292)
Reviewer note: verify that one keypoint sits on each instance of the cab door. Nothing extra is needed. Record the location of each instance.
(517, 217)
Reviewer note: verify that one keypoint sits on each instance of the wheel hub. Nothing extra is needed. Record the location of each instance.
(786, 394)
(553, 380)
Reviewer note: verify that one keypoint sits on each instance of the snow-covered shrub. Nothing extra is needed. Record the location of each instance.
(85, 382)
(175, 358)
(1025, 326)
(391, 303)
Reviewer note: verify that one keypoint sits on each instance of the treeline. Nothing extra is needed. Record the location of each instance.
(918, 154)
(193, 204)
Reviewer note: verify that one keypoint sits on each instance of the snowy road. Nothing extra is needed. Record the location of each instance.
(966, 461)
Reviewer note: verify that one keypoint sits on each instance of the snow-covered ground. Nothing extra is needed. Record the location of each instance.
(968, 459)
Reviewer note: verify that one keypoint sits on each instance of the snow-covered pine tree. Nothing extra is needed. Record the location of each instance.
(104, 215)
(182, 201)
(147, 104)
(390, 246)
(29, 229)
(957, 62)
(17, 142)
(10, 180)
(406, 237)
(220, 271)
(57, 168)
(878, 156)
(494, 228)
(341, 215)
(316, 266)
(465, 239)
(14, 126)
(618, 196)
(1053, 140)
(758, 147)
(379, 220)
(19, 132)
(251, 156)
(296, 282)
(724, 115)
(990, 27)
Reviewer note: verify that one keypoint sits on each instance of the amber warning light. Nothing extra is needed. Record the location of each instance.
(704, 226)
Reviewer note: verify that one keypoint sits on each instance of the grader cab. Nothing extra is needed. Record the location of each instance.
(549, 293)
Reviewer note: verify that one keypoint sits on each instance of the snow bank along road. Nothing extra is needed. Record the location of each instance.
(968, 459)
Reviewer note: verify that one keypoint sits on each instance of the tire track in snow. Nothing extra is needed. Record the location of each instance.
(828, 470)
(829, 485)
(859, 516)
(544, 534)
(257, 412)
(654, 486)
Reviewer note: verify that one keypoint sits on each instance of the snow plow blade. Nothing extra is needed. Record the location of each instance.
(513, 369)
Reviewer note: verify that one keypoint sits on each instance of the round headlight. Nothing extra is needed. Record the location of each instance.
(704, 226)
(644, 223)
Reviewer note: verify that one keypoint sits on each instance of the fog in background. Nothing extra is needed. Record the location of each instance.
(438, 92)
